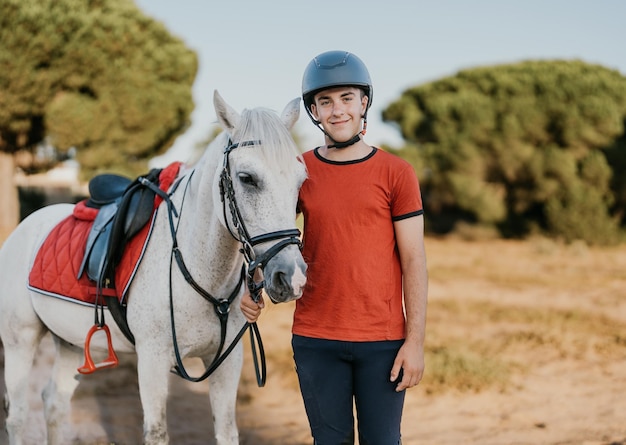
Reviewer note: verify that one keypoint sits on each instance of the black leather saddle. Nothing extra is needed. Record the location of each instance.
(106, 188)
(125, 207)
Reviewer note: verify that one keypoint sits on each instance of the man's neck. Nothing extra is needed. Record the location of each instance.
(351, 153)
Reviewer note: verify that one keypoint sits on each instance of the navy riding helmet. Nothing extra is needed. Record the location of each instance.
(332, 69)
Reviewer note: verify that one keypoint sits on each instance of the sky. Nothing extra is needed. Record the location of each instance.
(254, 52)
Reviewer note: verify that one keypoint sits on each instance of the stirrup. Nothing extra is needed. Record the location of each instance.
(110, 362)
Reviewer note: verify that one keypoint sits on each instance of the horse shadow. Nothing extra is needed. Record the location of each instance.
(106, 407)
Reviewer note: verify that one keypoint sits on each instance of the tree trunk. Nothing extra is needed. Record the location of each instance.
(9, 197)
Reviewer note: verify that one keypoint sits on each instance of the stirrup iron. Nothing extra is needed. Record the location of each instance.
(110, 362)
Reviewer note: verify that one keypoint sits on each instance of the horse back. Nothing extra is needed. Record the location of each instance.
(23, 242)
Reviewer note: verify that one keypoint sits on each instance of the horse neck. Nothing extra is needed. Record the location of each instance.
(207, 246)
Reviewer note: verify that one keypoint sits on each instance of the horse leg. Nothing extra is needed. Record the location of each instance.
(153, 375)
(223, 385)
(19, 354)
(58, 392)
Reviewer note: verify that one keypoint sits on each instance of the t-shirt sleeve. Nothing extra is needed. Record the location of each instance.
(406, 199)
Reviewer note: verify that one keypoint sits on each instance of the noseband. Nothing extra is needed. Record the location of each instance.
(254, 262)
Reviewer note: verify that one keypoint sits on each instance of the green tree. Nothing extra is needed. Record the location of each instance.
(96, 75)
(521, 147)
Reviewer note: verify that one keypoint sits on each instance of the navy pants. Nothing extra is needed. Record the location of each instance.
(335, 374)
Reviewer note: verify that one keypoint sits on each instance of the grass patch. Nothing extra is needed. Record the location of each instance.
(474, 345)
(455, 368)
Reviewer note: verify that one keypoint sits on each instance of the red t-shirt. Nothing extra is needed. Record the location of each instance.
(354, 279)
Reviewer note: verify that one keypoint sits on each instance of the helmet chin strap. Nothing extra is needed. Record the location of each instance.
(356, 138)
(338, 145)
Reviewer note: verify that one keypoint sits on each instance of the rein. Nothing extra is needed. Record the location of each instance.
(222, 306)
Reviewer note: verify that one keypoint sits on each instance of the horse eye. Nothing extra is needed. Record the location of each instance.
(247, 179)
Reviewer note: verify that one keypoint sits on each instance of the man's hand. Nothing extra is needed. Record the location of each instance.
(410, 360)
(250, 309)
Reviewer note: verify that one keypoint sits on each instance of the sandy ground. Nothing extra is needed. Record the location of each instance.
(560, 398)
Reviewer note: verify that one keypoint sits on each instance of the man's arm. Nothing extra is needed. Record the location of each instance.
(410, 358)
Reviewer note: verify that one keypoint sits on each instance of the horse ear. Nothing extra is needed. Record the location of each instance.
(227, 116)
(291, 113)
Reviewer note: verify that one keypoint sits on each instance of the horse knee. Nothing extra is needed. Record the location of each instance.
(227, 440)
(49, 397)
(156, 436)
(15, 425)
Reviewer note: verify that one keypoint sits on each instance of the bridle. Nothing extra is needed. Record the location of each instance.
(287, 237)
(253, 261)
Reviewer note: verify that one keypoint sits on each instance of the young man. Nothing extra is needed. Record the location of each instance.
(358, 330)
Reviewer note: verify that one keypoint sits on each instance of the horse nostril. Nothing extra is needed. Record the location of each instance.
(280, 280)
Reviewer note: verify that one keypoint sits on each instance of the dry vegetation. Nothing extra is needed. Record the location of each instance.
(526, 345)
(520, 305)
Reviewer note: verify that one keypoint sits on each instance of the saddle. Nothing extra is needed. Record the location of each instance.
(124, 208)
(102, 241)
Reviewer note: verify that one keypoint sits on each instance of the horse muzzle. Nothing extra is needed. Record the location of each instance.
(285, 276)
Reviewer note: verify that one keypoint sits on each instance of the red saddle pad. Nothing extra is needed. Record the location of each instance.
(58, 260)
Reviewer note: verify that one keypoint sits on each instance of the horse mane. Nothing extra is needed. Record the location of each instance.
(266, 125)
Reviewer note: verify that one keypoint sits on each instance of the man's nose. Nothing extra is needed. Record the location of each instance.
(338, 110)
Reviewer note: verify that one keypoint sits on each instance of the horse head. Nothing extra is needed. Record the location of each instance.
(258, 186)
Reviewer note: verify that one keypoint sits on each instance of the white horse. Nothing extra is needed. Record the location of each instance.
(253, 160)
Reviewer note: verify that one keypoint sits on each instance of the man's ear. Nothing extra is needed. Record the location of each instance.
(364, 101)
(313, 109)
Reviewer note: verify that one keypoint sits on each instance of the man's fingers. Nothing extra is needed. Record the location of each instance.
(250, 309)
(395, 370)
(409, 380)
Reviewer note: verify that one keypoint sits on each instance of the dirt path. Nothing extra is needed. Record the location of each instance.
(568, 385)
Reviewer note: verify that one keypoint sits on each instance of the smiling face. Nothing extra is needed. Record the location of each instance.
(340, 111)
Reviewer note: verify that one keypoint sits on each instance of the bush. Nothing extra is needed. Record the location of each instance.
(538, 144)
